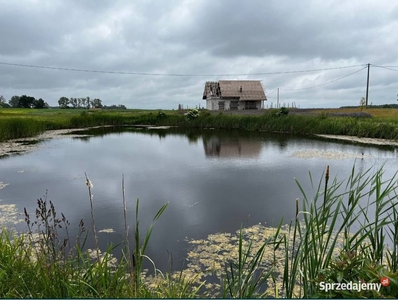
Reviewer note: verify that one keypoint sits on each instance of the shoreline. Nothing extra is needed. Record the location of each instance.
(362, 140)
(25, 145)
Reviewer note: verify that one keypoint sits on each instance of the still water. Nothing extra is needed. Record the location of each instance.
(214, 181)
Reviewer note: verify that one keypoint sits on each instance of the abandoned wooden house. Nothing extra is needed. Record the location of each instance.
(234, 95)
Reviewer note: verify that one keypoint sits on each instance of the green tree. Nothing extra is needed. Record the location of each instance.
(26, 101)
(63, 102)
(74, 102)
(40, 103)
(362, 102)
(14, 101)
(2, 101)
(82, 102)
(97, 103)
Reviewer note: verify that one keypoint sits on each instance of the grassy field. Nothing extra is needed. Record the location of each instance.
(380, 123)
(384, 114)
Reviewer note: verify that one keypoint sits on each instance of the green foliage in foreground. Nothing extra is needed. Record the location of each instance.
(333, 239)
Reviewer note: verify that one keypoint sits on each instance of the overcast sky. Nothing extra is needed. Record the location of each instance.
(201, 40)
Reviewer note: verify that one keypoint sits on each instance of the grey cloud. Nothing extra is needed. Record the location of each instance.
(194, 37)
(261, 28)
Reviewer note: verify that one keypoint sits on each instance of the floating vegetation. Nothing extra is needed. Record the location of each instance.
(9, 215)
(327, 154)
(209, 257)
(107, 230)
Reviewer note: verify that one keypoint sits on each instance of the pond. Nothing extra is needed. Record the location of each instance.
(215, 181)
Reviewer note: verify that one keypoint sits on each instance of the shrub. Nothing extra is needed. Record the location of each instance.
(192, 114)
(283, 111)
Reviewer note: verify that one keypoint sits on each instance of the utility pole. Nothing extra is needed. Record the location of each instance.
(277, 99)
(367, 86)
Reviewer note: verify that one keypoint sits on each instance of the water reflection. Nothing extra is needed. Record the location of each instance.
(216, 143)
(227, 147)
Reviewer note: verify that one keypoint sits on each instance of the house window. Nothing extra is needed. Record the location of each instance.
(250, 105)
(233, 105)
(221, 105)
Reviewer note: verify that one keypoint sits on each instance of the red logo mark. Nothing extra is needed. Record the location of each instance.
(385, 281)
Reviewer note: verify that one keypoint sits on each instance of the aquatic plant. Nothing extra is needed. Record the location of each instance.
(11, 128)
(329, 220)
(333, 239)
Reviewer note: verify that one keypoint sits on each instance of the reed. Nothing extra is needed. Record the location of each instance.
(19, 128)
(332, 239)
(246, 277)
(26, 123)
(315, 258)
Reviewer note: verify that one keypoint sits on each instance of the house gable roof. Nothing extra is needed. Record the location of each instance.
(244, 90)
(212, 89)
(252, 90)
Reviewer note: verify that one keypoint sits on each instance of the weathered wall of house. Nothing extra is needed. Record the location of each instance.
(214, 104)
(249, 104)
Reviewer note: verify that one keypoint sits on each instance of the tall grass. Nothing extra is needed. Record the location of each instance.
(333, 239)
(24, 124)
(302, 125)
(19, 128)
(41, 264)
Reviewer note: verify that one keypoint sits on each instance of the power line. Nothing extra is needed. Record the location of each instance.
(322, 84)
(272, 92)
(173, 74)
(387, 68)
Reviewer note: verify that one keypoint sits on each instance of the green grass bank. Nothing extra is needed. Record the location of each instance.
(19, 123)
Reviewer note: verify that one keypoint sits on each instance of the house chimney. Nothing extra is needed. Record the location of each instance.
(240, 89)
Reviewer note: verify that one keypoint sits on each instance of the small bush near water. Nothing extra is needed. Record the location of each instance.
(333, 239)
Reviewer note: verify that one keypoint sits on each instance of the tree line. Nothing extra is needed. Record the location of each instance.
(63, 102)
(23, 102)
(86, 102)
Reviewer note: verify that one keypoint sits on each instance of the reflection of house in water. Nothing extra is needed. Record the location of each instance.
(229, 147)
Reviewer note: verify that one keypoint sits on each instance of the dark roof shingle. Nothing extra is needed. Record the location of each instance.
(244, 90)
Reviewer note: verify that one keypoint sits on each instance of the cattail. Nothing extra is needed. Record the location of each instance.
(327, 173)
(89, 183)
(326, 187)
